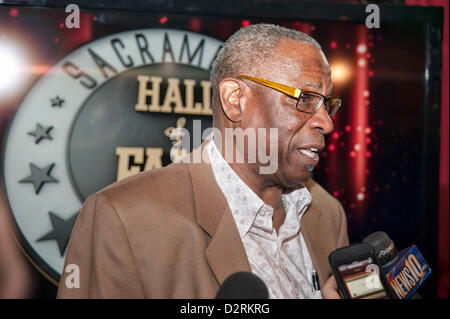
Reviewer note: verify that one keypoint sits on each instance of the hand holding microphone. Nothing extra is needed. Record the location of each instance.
(374, 269)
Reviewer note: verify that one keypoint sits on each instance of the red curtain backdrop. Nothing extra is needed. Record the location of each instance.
(443, 228)
(443, 287)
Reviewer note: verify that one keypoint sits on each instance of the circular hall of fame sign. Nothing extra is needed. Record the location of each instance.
(104, 112)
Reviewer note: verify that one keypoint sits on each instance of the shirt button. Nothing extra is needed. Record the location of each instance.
(263, 213)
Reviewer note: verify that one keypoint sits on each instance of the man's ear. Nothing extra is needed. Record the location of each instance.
(230, 91)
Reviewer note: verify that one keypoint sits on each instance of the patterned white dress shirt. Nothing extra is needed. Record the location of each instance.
(281, 260)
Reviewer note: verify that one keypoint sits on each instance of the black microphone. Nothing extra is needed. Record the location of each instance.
(404, 270)
(243, 285)
(384, 247)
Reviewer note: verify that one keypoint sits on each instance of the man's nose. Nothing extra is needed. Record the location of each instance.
(322, 121)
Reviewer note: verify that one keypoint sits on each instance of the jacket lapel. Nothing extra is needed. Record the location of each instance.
(319, 244)
(225, 252)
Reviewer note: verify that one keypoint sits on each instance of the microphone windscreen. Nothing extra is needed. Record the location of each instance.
(383, 246)
(243, 285)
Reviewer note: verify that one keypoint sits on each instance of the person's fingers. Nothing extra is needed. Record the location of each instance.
(330, 290)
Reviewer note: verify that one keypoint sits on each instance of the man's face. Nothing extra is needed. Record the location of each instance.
(305, 67)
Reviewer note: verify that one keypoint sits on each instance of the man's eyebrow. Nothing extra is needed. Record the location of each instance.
(313, 85)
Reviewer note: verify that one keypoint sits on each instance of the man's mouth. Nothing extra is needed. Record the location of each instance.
(311, 152)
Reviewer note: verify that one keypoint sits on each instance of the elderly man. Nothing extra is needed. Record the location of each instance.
(180, 231)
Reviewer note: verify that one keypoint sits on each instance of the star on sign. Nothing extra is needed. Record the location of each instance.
(39, 176)
(61, 231)
(57, 101)
(40, 132)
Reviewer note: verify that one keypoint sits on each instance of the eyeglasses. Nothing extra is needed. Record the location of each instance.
(307, 101)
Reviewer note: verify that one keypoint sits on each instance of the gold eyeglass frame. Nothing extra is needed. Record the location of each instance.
(296, 93)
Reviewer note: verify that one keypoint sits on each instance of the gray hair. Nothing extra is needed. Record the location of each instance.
(245, 50)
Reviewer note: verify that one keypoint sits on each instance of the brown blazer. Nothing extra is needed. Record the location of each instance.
(169, 233)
